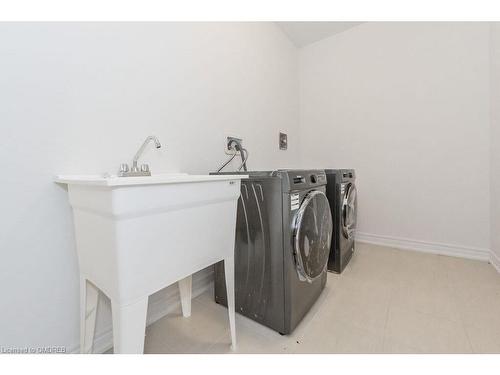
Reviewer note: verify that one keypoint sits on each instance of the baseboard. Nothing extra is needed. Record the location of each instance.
(159, 305)
(495, 261)
(425, 247)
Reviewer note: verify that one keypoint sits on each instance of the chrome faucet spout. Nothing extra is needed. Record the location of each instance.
(139, 152)
(124, 170)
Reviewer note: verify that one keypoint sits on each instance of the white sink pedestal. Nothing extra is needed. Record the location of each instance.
(137, 235)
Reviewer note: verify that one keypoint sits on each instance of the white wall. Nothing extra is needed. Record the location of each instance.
(412, 99)
(495, 141)
(80, 98)
(407, 106)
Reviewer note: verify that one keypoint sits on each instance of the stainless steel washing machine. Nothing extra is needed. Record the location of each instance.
(283, 236)
(342, 195)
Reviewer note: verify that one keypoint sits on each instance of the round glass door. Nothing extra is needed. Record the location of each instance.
(349, 211)
(313, 233)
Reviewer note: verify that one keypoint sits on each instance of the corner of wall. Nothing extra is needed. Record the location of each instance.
(494, 142)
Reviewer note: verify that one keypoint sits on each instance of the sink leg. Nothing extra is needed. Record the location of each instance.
(89, 298)
(229, 273)
(185, 290)
(129, 326)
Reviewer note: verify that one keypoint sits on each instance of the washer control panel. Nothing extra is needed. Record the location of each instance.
(303, 179)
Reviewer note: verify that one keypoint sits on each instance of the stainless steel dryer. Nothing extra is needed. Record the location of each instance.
(342, 195)
(283, 236)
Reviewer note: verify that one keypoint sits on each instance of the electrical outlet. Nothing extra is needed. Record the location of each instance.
(228, 150)
(283, 141)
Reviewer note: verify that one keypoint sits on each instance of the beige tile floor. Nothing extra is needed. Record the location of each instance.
(386, 301)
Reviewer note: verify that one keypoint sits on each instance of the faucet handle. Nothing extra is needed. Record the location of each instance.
(124, 167)
(145, 168)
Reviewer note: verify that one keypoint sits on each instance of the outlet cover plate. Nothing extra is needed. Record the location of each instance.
(229, 139)
(283, 141)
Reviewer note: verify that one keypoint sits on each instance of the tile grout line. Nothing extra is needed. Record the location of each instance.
(451, 284)
(428, 314)
(219, 340)
(460, 317)
(389, 304)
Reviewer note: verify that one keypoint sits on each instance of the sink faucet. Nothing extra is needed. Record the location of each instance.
(135, 171)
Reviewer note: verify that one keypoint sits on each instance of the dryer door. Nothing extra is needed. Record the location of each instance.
(312, 235)
(349, 210)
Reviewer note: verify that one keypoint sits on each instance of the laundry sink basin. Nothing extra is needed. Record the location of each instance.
(121, 197)
(137, 235)
(114, 180)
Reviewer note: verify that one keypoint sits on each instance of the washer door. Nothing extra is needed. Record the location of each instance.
(349, 211)
(312, 236)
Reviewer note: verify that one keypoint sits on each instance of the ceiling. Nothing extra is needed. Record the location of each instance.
(304, 33)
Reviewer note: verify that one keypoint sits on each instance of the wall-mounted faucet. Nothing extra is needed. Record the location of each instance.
(144, 170)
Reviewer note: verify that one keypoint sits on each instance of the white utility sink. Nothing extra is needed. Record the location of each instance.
(167, 178)
(137, 235)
